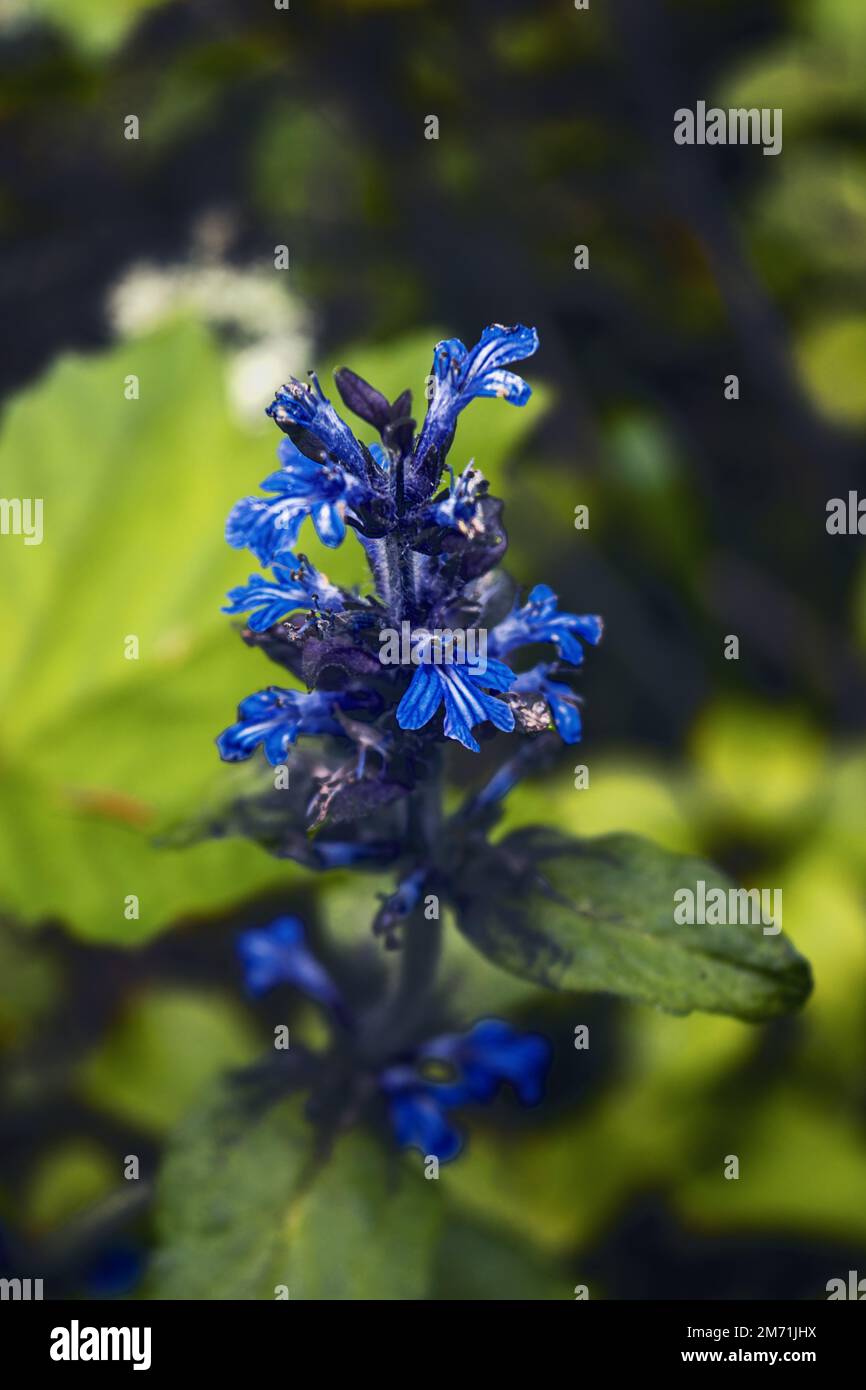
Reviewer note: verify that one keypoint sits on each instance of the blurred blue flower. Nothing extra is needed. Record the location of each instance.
(278, 955)
(480, 1061)
(419, 1114)
(491, 1053)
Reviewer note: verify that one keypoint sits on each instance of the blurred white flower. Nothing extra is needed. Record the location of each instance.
(265, 330)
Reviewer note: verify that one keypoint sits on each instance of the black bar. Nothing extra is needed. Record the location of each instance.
(614, 1336)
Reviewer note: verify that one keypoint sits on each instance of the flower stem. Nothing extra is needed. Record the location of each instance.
(393, 1026)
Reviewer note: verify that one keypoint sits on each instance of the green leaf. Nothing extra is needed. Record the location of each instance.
(223, 1196)
(599, 915)
(365, 1229)
(241, 1212)
(94, 26)
(97, 750)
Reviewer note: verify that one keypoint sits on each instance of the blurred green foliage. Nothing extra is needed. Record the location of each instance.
(96, 26)
(159, 1056)
(98, 750)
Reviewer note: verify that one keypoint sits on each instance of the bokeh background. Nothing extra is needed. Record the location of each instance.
(155, 257)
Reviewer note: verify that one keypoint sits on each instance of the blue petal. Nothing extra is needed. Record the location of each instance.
(567, 645)
(299, 404)
(462, 375)
(294, 463)
(275, 717)
(277, 741)
(420, 1123)
(494, 1049)
(381, 457)
(233, 746)
(508, 386)
(490, 1054)
(419, 1115)
(278, 954)
(266, 601)
(591, 628)
(566, 717)
(264, 527)
(446, 354)
(495, 675)
(542, 595)
(540, 621)
(466, 706)
(329, 524)
(498, 346)
(421, 700)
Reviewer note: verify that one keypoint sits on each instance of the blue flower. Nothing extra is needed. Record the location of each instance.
(297, 406)
(274, 718)
(460, 685)
(564, 704)
(296, 584)
(491, 1053)
(419, 1114)
(278, 954)
(459, 508)
(461, 374)
(303, 488)
(540, 621)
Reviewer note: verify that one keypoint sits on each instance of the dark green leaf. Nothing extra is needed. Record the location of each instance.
(223, 1197)
(599, 915)
(367, 1228)
(241, 1212)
